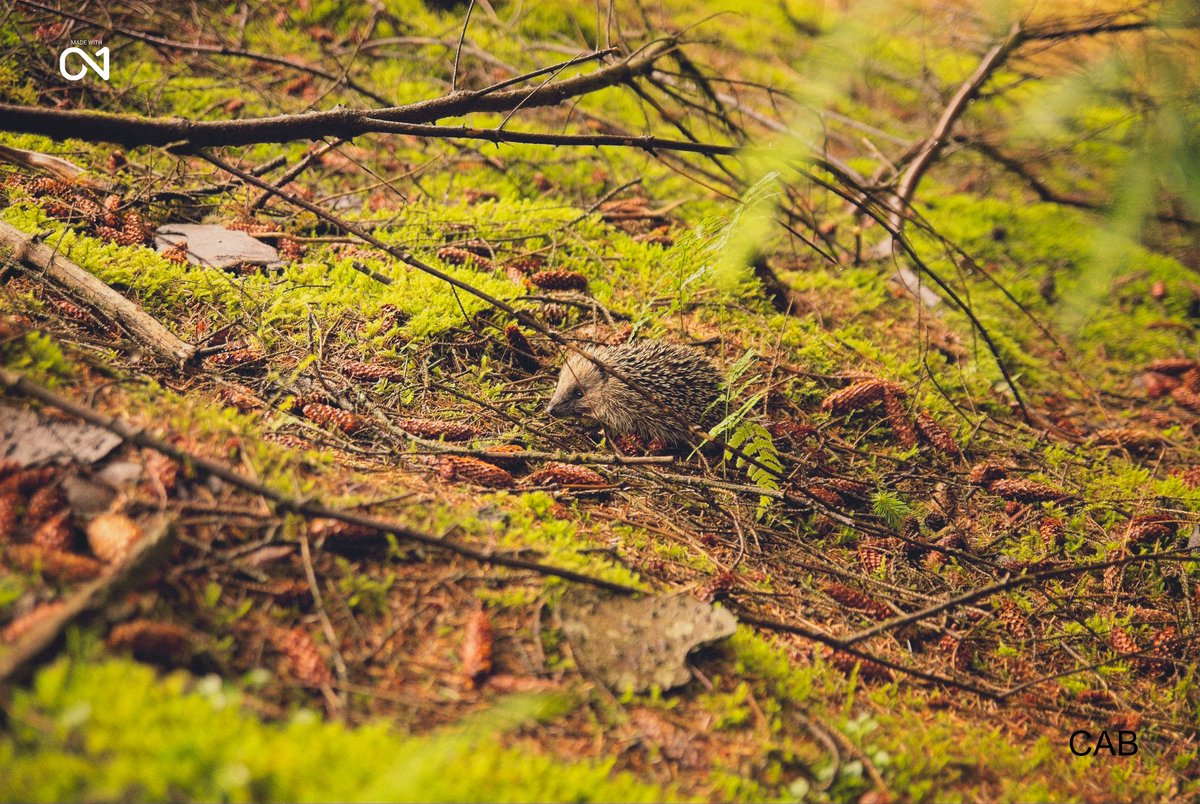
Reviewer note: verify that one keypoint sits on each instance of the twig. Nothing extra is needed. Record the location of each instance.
(458, 50)
(96, 294)
(339, 662)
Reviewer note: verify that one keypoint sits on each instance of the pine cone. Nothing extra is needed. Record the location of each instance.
(520, 344)
(957, 652)
(302, 657)
(238, 396)
(935, 434)
(474, 195)
(982, 474)
(10, 503)
(506, 454)
(48, 186)
(1023, 490)
(371, 372)
(1014, 620)
(331, 417)
(556, 314)
(116, 161)
(288, 440)
(22, 625)
(1191, 380)
(245, 359)
(1186, 398)
(74, 312)
(54, 564)
(290, 248)
(176, 253)
(860, 395)
(436, 428)
(898, 419)
(825, 494)
(461, 256)
(1149, 528)
(1157, 385)
(526, 265)
(135, 230)
(872, 556)
(1190, 476)
(1173, 366)
(161, 469)
(153, 641)
(559, 279)
(45, 502)
(56, 533)
(1122, 642)
(1113, 578)
(1051, 529)
(473, 470)
(1134, 439)
(795, 432)
(553, 473)
(854, 599)
(477, 648)
(867, 669)
(1163, 648)
(112, 536)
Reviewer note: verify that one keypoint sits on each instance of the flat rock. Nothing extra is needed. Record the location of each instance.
(639, 644)
(29, 439)
(215, 246)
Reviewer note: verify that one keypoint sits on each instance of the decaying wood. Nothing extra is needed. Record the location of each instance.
(18, 663)
(92, 291)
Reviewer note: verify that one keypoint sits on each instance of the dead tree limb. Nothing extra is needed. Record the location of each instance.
(92, 291)
(130, 130)
(929, 149)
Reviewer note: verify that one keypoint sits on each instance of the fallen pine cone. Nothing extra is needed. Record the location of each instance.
(288, 440)
(519, 343)
(1051, 529)
(982, 474)
(22, 625)
(45, 503)
(508, 454)
(1014, 620)
(461, 256)
(860, 395)
(247, 358)
(867, 669)
(1173, 366)
(1023, 490)
(436, 428)
(1149, 528)
(871, 555)
(1122, 642)
(176, 253)
(1191, 380)
(854, 599)
(290, 248)
(473, 470)
(74, 312)
(371, 372)
(135, 230)
(1134, 439)
(239, 396)
(477, 648)
(302, 657)
(957, 652)
(10, 502)
(329, 416)
(111, 537)
(559, 279)
(1157, 385)
(898, 419)
(161, 469)
(936, 434)
(153, 641)
(566, 475)
(56, 565)
(1186, 398)
(527, 264)
(56, 533)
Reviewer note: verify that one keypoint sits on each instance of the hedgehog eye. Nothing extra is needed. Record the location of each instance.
(578, 393)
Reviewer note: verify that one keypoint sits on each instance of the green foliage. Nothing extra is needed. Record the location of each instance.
(890, 508)
(74, 738)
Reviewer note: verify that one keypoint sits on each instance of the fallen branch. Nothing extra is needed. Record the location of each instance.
(34, 254)
(18, 663)
(130, 130)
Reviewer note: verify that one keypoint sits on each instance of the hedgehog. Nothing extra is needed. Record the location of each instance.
(680, 378)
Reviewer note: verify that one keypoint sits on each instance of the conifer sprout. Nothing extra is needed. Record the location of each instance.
(681, 378)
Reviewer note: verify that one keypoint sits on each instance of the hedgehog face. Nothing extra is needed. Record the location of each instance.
(579, 391)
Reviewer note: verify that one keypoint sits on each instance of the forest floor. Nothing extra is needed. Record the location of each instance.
(950, 540)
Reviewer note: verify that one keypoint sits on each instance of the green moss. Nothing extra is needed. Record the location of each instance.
(71, 740)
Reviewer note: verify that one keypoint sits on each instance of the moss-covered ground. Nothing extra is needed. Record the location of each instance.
(251, 707)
